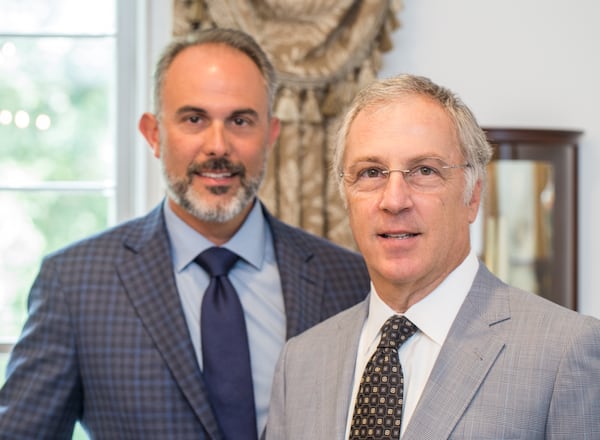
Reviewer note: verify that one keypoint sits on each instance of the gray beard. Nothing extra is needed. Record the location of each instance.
(182, 192)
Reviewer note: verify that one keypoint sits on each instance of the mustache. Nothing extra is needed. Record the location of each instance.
(216, 164)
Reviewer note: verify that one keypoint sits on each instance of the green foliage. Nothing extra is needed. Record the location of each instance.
(71, 81)
(45, 77)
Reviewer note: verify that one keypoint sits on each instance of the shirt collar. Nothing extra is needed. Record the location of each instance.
(247, 242)
(435, 313)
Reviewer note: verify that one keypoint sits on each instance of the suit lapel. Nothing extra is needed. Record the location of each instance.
(303, 284)
(343, 365)
(470, 350)
(148, 279)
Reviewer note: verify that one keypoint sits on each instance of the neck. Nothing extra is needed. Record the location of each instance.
(217, 233)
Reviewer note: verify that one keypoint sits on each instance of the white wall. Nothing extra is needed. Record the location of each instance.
(519, 63)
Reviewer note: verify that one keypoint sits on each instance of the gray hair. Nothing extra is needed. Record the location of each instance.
(473, 142)
(229, 37)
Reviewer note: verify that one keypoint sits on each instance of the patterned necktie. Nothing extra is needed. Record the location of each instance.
(378, 409)
(225, 352)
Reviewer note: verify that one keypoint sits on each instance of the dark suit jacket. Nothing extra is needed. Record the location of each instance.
(106, 340)
(513, 366)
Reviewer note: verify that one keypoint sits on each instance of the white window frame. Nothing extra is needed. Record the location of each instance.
(143, 28)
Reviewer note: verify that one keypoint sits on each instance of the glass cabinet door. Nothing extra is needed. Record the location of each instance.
(529, 218)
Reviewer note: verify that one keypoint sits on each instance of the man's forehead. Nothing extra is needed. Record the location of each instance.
(211, 54)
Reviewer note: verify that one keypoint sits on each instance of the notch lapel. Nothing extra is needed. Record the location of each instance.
(302, 283)
(470, 350)
(343, 366)
(148, 279)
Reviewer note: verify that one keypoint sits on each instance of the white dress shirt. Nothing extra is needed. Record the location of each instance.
(433, 315)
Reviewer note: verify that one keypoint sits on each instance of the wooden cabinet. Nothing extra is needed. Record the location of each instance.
(529, 213)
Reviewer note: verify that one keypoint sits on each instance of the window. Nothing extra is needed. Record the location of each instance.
(74, 78)
(57, 161)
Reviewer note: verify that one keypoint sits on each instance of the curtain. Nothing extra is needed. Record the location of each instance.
(323, 51)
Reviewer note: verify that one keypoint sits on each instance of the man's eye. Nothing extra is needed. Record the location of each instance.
(371, 173)
(424, 170)
(194, 119)
(240, 122)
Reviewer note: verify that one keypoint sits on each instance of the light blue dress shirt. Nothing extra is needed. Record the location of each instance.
(256, 279)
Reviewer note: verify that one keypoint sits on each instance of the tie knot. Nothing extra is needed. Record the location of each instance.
(217, 261)
(396, 332)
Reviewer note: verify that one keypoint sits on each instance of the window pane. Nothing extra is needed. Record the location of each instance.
(57, 16)
(56, 96)
(36, 224)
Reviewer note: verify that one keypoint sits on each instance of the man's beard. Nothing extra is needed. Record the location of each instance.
(183, 193)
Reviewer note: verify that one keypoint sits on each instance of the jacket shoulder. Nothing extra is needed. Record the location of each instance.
(128, 234)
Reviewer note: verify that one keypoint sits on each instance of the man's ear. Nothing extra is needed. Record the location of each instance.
(475, 201)
(148, 126)
(274, 129)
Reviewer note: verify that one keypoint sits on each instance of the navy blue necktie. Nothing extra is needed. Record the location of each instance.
(225, 352)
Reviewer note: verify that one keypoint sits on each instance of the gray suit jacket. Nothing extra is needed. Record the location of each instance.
(514, 366)
(106, 341)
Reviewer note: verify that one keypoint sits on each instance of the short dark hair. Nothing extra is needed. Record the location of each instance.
(230, 37)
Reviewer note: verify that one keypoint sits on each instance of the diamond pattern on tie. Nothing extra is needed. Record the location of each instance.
(378, 409)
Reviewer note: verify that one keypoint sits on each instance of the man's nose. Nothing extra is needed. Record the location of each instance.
(216, 141)
(396, 193)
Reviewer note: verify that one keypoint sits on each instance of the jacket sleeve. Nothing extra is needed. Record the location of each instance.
(575, 407)
(41, 397)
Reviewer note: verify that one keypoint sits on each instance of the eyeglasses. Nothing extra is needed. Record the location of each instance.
(427, 175)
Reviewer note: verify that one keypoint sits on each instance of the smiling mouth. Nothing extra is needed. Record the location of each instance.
(216, 175)
(216, 168)
(398, 236)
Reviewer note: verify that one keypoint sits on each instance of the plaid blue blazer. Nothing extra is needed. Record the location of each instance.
(106, 341)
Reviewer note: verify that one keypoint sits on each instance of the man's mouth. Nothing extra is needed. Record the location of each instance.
(402, 236)
(220, 168)
(216, 175)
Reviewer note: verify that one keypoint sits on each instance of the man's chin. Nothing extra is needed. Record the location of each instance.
(219, 190)
(217, 211)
